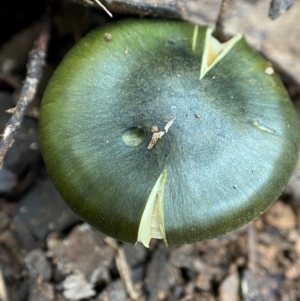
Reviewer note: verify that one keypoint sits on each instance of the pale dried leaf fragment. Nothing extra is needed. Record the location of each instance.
(158, 134)
(155, 138)
(263, 127)
(76, 287)
(168, 125)
(154, 129)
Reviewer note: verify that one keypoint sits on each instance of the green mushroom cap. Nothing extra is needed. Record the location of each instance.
(163, 132)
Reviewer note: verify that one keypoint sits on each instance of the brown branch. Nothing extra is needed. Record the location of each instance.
(125, 273)
(219, 30)
(35, 65)
(252, 247)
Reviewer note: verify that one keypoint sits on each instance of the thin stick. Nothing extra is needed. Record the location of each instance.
(252, 246)
(219, 30)
(3, 291)
(28, 91)
(125, 273)
(104, 8)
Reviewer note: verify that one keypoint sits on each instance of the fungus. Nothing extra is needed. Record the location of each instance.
(205, 176)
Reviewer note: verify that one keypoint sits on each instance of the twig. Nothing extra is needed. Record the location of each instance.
(112, 242)
(250, 281)
(3, 291)
(28, 91)
(219, 30)
(104, 8)
(252, 246)
(125, 273)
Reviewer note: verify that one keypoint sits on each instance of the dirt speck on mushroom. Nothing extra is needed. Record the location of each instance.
(107, 36)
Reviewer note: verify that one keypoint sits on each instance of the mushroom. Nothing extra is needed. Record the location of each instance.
(164, 132)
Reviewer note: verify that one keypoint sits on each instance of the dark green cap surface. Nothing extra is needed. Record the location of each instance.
(228, 154)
